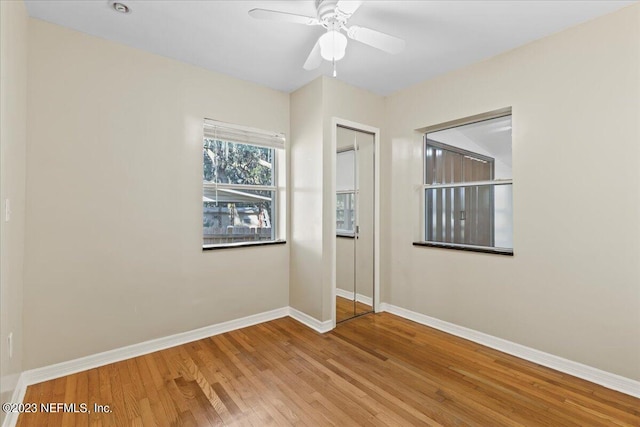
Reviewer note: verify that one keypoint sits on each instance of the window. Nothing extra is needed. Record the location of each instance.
(240, 188)
(345, 213)
(345, 193)
(468, 185)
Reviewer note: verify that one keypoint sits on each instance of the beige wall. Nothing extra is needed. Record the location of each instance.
(114, 214)
(573, 287)
(305, 292)
(345, 264)
(13, 108)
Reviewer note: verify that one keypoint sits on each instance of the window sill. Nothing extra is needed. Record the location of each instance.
(485, 250)
(242, 245)
(346, 236)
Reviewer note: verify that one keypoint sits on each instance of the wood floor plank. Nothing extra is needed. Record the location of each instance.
(374, 370)
(82, 389)
(347, 309)
(59, 387)
(93, 395)
(106, 398)
(219, 384)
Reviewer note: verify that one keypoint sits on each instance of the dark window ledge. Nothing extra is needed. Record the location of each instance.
(345, 236)
(507, 252)
(243, 245)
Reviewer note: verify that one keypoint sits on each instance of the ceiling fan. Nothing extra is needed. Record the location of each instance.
(333, 16)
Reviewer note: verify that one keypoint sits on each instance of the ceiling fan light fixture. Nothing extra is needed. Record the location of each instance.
(333, 45)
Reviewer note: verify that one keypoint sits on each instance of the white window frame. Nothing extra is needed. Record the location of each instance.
(347, 232)
(242, 135)
(448, 125)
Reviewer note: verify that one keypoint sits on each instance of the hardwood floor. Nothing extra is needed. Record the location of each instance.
(345, 309)
(374, 370)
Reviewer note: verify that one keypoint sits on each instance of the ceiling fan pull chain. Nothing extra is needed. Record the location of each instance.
(334, 68)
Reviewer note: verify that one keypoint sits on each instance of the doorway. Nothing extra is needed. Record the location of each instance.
(355, 222)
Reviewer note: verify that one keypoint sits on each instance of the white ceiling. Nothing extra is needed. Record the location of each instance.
(221, 36)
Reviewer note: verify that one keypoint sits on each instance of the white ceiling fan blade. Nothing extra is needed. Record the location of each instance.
(348, 7)
(373, 38)
(275, 15)
(314, 59)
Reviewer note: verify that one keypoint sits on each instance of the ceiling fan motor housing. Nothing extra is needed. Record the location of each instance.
(329, 15)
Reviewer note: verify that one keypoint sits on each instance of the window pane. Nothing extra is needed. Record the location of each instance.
(469, 213)
(232, 163)
(477, 215)
(503, 216)
(466, 148)
(345, 171)
(345, 214)
(232, 216)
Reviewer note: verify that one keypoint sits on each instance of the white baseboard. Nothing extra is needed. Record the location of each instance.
(594, 375)
(349, 295)
(34, 376)
(344, 294)
(17, 396)
(311, 322)
(58, 370)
